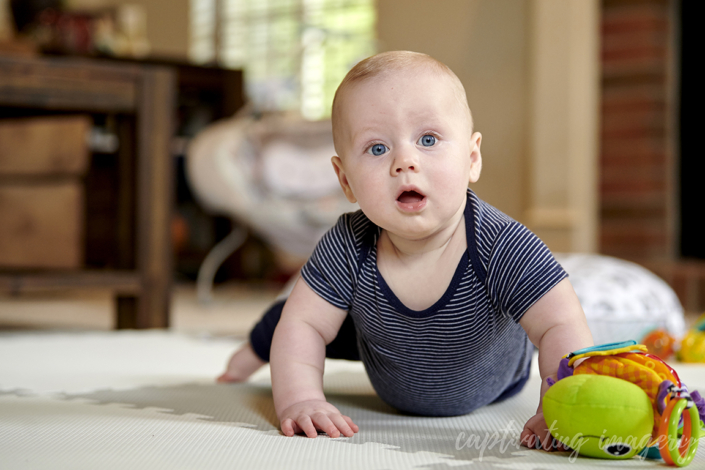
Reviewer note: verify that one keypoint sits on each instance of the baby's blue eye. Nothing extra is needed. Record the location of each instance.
(427, 140)
(378, 149)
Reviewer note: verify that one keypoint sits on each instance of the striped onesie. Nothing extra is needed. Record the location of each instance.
(465, 351)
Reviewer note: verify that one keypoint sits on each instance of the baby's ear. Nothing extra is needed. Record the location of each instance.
(343, 179)
(475, 157)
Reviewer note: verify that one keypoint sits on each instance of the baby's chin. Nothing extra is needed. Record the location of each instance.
(412, 225)
(414, 229)
(424, 226)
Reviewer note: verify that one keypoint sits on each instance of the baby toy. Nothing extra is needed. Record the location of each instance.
(693, 344)
(621, 401)
(659, 342)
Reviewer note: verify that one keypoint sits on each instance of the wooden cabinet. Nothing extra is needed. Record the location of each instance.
(141, 99)
(41, 225)
(43, 161)
(44, 146)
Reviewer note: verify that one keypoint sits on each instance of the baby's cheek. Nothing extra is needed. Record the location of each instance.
(452, 185)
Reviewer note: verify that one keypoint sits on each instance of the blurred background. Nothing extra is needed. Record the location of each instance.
(137, 136)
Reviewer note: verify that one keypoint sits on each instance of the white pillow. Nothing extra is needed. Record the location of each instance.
(621, 299)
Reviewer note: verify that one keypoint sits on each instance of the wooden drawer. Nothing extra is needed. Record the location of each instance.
(41, 225)
(52, 145)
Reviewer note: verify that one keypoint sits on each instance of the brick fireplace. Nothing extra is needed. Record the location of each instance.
(640, 168)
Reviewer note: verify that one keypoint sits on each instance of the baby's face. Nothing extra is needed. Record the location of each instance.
(407, 152)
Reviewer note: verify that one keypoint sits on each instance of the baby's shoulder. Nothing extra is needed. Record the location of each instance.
(497, 235)
(488, 222)
(355, 226)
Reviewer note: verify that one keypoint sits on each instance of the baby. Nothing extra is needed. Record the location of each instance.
(438, 293)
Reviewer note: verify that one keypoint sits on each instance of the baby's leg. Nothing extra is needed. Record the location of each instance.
(253, 355)
(248, 359)
(242, 365)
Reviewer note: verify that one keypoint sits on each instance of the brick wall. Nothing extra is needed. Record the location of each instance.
(634, 174)
(638, 180)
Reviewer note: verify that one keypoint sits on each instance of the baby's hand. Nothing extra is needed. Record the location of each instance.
(536, 435)
(308, 416)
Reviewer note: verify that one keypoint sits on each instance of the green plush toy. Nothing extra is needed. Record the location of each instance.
(599, 416)
(615, 401)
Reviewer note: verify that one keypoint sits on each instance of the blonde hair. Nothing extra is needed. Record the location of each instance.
(395, 61)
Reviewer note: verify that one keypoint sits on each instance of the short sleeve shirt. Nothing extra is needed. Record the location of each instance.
(467, 348)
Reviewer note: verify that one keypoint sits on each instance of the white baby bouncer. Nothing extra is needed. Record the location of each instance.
(270, 174)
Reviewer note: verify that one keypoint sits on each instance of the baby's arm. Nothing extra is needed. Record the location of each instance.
(307, 324)
(556, 325)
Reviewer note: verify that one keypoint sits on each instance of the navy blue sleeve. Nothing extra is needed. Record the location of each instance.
(521, 270)
(332, 268)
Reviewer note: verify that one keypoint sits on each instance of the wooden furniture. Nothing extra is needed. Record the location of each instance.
(142, 98)
(43, 161)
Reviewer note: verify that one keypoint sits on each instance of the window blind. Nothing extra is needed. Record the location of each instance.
(294, 52)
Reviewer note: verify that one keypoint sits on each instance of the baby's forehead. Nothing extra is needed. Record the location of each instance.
(403, 83)
(409, 74)
(351, 93)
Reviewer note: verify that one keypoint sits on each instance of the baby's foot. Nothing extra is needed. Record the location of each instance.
(242, 365)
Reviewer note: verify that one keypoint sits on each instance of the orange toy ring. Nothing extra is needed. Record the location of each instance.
(684, 453)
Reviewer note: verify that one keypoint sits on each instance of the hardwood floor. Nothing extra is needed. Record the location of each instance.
(233, 311)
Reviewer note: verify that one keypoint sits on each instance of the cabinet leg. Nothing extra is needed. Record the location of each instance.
(148, 310)
(155, 174)
(126, 309)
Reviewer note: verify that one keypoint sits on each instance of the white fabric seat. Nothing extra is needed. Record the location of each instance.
(273, 175)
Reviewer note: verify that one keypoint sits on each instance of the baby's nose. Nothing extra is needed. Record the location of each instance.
(405, 162)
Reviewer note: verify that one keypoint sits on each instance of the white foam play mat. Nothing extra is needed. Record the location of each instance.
(148, 400)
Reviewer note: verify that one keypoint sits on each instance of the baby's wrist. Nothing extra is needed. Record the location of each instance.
(291, 400)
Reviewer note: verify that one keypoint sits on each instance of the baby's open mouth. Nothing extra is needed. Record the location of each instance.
(409, 197)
